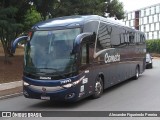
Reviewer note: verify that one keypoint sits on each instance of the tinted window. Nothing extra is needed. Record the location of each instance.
(122, 36)
(115, 36)
(104, 36)
(50, 51)
(142, 39)
(84, 54)
(131, 38)
(91, 26)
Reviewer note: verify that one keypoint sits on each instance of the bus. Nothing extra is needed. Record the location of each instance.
(70, 58)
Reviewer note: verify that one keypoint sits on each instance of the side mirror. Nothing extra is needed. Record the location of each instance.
(78, 41)
(16, 41)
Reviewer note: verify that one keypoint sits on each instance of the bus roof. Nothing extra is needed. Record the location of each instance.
(75, 20)
(66, 21)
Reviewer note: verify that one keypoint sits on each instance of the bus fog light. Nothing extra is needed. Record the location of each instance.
(69, 96)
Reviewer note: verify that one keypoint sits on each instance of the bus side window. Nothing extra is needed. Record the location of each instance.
(104, 37)
(84, 54)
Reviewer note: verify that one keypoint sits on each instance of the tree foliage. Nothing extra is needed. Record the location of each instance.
(31, 18)
(115, 9)
(56, 8)
(8, 27)
(153, 46)
(11, 22)
(44, 7)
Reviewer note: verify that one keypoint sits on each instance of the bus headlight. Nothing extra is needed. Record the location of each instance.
(67, 85)
(25, 84)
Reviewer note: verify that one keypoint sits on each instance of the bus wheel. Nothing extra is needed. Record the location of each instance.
(137, 73)
(98, 89)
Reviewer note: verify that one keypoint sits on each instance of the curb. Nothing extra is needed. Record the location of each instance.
(11, 96)
(10, 85)
(9, 90)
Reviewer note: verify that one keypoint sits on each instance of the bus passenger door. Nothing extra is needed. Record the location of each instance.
(86, 67)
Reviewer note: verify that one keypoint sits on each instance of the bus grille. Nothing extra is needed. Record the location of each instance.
(46, 89)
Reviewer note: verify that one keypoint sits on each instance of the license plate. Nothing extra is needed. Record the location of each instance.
(45, 97)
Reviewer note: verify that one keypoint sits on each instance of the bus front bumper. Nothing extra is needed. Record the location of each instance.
(54, 90)
(46, 93)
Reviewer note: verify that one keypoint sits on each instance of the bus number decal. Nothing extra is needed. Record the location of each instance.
(65, 81)
(85, 80)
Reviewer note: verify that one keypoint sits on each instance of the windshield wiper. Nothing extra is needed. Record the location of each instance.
(56, 70)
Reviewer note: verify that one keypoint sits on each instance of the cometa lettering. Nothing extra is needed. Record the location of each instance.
(111, 58)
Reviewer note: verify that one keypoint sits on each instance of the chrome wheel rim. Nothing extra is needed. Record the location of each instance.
(98, 87)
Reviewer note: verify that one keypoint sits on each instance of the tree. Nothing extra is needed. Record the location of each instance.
(8, 28)
(30, 18)
(11, 22)
(57, 8)
(44, 7)
(115, 9)
(93, 7)
(82, 7)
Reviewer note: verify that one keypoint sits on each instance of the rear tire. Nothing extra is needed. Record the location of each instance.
(137, 72)
(98, 88)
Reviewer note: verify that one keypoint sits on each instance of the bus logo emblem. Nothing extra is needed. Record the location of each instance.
(43, 89)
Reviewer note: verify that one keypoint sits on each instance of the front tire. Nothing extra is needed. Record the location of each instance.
(98, 88)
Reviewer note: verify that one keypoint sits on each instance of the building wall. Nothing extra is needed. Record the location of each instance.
(146, 20)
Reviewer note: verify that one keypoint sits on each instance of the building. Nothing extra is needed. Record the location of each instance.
(146, 20)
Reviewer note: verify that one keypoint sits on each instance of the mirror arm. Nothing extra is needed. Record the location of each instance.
(16, 41)
(79, 39)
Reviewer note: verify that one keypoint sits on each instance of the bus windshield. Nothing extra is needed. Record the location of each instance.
(50, 52)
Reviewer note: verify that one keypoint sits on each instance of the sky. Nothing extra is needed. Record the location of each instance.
(131, 5)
